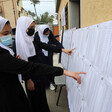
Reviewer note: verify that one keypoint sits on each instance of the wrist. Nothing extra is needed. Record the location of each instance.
(65, 72)
(63, 50)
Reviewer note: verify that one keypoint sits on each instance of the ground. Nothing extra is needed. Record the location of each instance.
(52, 98)
(52, 95)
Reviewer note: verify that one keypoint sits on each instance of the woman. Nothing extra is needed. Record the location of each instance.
(12, 95)
(45, 44)
(26, 50)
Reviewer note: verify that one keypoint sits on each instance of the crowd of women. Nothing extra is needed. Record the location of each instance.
(31, 59)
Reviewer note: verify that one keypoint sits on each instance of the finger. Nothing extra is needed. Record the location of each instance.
(18, 57)
(73, 49)
(79, 80)
(82, 73)
(70, 51)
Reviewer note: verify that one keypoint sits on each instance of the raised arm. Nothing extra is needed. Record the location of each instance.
(48, 47)
(12, 65)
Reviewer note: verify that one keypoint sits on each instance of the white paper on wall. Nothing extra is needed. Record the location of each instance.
(66, 44)
(93, 55)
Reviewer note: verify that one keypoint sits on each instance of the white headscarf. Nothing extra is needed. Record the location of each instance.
(43, 38)
(24, 43)
(2, 24)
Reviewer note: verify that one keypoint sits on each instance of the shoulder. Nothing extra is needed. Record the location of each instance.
(51, 33)
(36, 34)
(51, 36)
(2, 50)
(4, 54)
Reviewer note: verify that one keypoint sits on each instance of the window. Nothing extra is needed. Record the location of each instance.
(74, 12)
(17, 2)
(66, 16)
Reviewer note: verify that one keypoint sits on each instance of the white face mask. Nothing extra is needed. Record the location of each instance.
(6, 40)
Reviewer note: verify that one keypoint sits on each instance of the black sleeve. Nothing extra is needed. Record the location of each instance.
(55, 41)
(12, 65)
(48, 47)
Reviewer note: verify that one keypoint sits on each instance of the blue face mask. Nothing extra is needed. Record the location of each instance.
(6, 40)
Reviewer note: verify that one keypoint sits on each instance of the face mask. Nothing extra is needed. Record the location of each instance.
(31, 32)
(46, 36)
(6, 40)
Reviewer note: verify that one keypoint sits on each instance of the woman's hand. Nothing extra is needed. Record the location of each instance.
(30, 85)
(18, 56)
(74, 75)
(68, 51)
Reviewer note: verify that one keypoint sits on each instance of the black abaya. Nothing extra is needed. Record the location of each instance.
(12, 95)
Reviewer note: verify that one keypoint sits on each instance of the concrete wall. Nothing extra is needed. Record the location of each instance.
(74, 14)
(95, 11)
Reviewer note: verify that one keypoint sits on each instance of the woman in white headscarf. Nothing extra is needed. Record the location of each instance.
(26, 50)
(12, 95)
(8, 40)
(24, 42)
(47, 44)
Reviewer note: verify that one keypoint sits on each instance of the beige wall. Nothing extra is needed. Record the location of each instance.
(95, 11)
(1, 8)
(8, 12)
(92, 11)
(24, 13)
